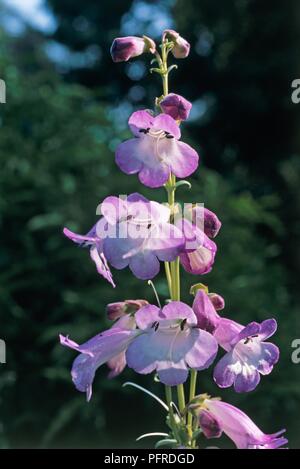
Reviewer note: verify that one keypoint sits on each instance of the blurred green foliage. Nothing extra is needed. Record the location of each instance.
(57, 139)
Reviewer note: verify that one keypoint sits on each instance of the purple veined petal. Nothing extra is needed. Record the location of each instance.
(208, 318)
(113, 208)
(172, 374)
(115, 249)
(184, 161)
(251, 329)
(182, 158)
(200, 261)
(101, 264)
(269, 357)
(140, 355)
(226, 332)
(204, 350)
(165, 241)
(267, 329)
(154, 173)
(178, 310)
(209, 425)
(116, 365)
(147, 315)
(167, 124)
(226, 370)
(127, 156)
(85, 240)
(125, 48)
(140, 120)
(144, 265)
(247, 380)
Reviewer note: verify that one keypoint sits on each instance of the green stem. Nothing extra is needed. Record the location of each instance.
(193, 382)
(173, 424)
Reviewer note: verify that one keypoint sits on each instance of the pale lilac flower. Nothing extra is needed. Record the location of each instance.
(176, 106)
(142, 235)
(171, 343)
(95, 244)
(156, 151)
(248, 356)
(198, 255)
(106, 347)
(132, 232)
(126, 48)
(181, 47)
(120, 308)
(222, 417)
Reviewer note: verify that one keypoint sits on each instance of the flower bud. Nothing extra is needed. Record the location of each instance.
(176, 106)
(212, 224)
(181, 47)
(217, 301)
(209, 425)
(125, 48)
(120, 308)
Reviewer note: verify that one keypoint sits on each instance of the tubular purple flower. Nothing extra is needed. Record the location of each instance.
(181, 47)
(126, 48)
(220, 416)
(176, 106)
(248, 355)
(156, 151)
(171, 343)
(95, 244)
(106, 347)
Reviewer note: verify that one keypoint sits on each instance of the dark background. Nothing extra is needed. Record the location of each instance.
(67, 109)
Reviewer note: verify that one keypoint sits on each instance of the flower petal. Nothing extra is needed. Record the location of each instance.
(101, 264)
(172, 374)
(226, 332)
(203, 352)
(168, 124)
(140, 120)
(128, 157)
(144, 265)
(226, 370)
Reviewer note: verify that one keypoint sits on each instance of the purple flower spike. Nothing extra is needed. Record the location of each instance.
(248, 355)
(170, 343)
(126, 48)
(156, 151)
(96, 250)
(176, 106)
(238, 427)
(181, 47)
